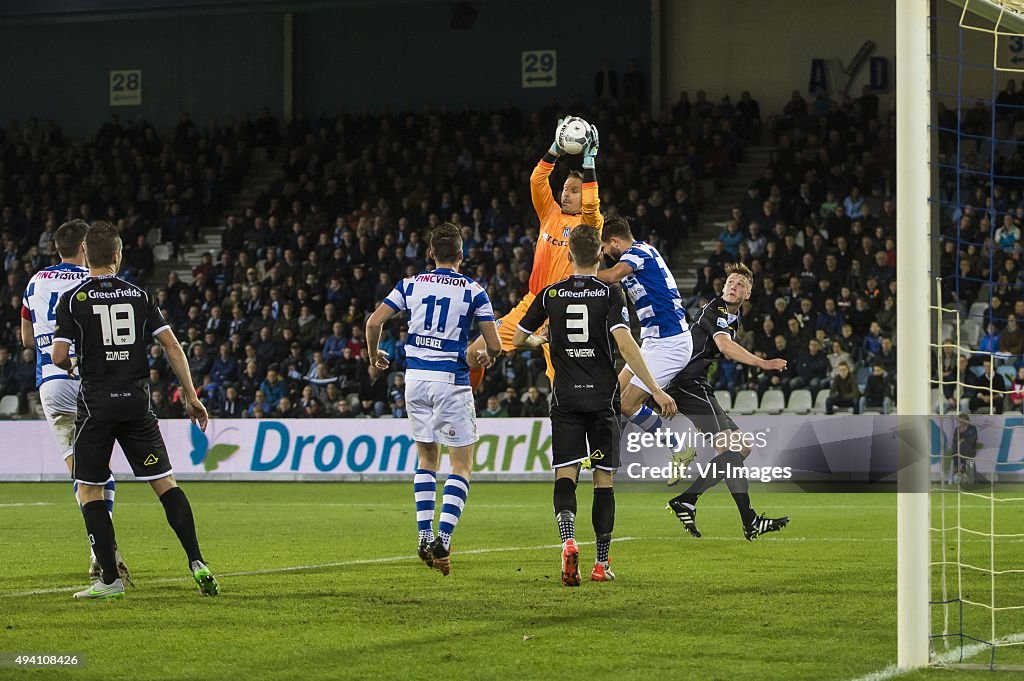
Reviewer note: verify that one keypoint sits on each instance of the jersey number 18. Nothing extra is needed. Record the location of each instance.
(117, 322)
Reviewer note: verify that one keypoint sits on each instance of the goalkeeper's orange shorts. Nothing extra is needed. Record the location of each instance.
(508, 324)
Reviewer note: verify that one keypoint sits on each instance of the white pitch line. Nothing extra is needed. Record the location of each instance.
(946, 658)
(27, 503)
(316, 566)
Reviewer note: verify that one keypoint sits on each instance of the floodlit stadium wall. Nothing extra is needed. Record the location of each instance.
(223, 60)
(509, 449)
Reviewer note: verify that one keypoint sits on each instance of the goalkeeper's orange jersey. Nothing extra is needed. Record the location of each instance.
(551, 259)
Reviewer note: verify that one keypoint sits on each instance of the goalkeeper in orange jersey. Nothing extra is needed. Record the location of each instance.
(578, 204)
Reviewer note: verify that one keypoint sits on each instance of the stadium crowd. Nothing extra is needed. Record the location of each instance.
(272, 324)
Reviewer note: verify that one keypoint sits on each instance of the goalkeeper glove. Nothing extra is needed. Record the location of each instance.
(590, 153)
(555, 149)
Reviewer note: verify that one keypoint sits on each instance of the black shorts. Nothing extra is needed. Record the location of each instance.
(576, 435)
(123, 416)
(696, 401)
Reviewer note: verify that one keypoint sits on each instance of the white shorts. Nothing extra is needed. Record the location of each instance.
(665, 357)
(441, 412)
(59, 399)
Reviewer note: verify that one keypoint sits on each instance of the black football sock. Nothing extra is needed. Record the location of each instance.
(179, 517)
(742, 500)
(101, 535)
(603, 516)
(739, 488)
(717, 471)
(565, 508)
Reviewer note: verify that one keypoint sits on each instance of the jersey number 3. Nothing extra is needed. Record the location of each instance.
(577, 328)
(118, 323)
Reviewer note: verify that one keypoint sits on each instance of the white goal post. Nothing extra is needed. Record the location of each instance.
(914, 169)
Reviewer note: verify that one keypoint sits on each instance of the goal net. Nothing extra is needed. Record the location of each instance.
(976, 224)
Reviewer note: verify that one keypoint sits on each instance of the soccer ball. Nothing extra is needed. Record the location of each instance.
(573, 134)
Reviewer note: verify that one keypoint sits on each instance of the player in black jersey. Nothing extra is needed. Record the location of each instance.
(111, 322)
(714, 333)
(584, 315)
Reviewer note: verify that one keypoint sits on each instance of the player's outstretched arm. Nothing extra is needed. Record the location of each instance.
(615, 273)
(540, 187)
(179, 365)
(630, 352)
(374, 326)
(492, 344)
(737, 353)
(528, 341)
(591, 206)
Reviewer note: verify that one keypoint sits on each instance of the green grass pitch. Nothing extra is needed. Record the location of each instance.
(319, 581)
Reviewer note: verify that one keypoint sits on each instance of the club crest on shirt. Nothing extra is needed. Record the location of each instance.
(723, 323)
(565, 233)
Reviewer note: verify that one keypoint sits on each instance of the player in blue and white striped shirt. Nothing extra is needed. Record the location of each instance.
(665, 339)
(442, 305)
(58, 390)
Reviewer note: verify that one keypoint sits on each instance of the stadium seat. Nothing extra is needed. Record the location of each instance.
(978, 309)
(772, 402)
(746, 402)
(724, 398)
(1008, 373)
(948, 331)
(862, 377)
(970, 332)
(9, 405)
(543, 384)
(800, 401)
(819, 402)
(161, 253)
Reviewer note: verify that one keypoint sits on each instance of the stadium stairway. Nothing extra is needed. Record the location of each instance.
(261, 175)
(693, 253)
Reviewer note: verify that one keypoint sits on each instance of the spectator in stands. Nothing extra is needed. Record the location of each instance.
(777, 380)
(989, 343)
(886, 317)
(494, 409)
(989, 388)
(273, 387)
(259, 408)
(160, 405)
(811, 369)
(838, 356)
(285, 410)
(8, 373)
(373, 392)
(1011, 340)
(877, 392)
(231, 407)
(536, 404)
(886, 356)
(1017, 394)
(843, 392)
(511, 402)
(731, 238)
(873, 340)
(25, 376)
